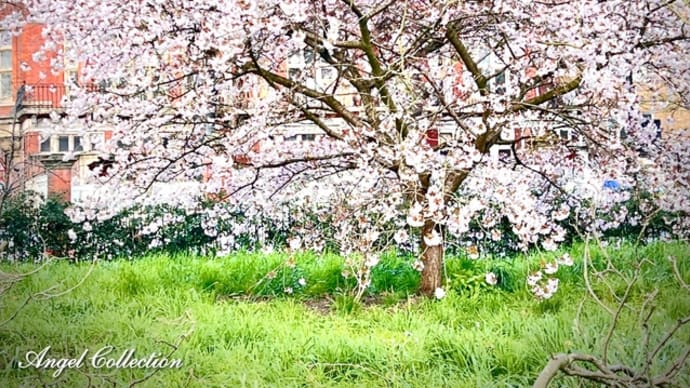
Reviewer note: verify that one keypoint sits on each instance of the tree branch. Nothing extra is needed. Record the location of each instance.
(479, 78)
(327, 99)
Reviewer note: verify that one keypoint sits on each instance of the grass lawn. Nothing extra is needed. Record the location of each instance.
(235, 323)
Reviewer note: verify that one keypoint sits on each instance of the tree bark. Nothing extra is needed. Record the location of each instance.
(551, 370)
(432, 258)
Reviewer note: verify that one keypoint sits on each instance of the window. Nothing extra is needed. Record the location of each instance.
(77, 146)
(501, 153)
(295, 74)
(71, 77)
(103, 85)
(325, 78)
(649, 119)
(327, 73)
(63, 143)
(45, 145)
(309, 137)
(615, 131)
(70, 73)
(500, 83)
(571, 137)
(305, 68)
(308, 56)
(6, 59)
(564, 134)
(5, 65)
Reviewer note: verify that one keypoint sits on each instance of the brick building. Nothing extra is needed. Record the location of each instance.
(31, 92)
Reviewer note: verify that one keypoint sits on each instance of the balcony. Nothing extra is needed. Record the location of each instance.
(40, 97)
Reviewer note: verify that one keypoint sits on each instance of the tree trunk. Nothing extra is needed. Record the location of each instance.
(432, 258)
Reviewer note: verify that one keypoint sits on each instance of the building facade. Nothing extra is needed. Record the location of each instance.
(33, 155)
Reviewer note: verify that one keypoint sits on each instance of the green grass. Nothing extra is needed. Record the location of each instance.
(244, 330)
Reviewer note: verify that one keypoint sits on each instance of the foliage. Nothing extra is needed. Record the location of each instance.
(18, 217)
(30, 229)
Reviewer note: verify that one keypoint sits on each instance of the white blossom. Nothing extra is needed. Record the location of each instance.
(439, 293)
(566, 260)
(551, 268)
(433, 239)
(491, 278)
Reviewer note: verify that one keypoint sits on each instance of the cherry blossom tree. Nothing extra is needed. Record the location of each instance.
(417, 118)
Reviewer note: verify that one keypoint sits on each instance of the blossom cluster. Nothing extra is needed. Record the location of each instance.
(542, 283)
(364, 124)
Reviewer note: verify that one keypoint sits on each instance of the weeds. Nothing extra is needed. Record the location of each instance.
(245, 331)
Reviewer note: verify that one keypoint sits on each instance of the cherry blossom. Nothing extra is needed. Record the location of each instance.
(366, 123)
(534, 278)
(433, 239)
(439, 293)
(565, 260)
(491, 279)
(551, 268)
